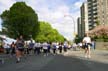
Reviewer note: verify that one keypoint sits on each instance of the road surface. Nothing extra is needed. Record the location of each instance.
(69, 61)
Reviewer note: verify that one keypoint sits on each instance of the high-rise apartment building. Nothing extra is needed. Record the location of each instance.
(84, 18)
(79, 27)
(97, 12)
(92, 13)
(102, 8)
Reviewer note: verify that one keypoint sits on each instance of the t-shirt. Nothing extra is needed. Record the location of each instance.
(20, 43)
(87, 40)
(45, 46)
(31, 45)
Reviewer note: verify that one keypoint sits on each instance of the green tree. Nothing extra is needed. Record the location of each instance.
(77, 39)
(47, 33)
(20, 20)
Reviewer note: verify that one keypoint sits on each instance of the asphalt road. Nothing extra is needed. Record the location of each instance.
(70, 61)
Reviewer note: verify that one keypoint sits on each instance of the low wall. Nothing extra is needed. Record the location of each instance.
(102, 45)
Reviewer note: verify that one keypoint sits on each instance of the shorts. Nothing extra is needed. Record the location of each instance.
(21, 49)
(86, 45)
(30, 49)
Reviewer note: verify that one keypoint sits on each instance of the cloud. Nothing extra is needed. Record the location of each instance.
(78, 4)
(5, 4)
(53, 11)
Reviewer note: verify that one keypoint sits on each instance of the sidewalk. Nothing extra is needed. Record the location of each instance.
(96, 55)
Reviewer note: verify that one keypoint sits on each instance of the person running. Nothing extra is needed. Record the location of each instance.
(65, 46)
(45, 48)
(6, 48)
(80, 45)
(60, 47)
(12, 48)
(31, 46)
(54, 48)
(87, 44)
(26, 49)
(49, 47)
(37, 47)
(74, 46)
(19, 48)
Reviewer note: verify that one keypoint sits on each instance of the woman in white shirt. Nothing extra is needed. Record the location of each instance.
(87, 44)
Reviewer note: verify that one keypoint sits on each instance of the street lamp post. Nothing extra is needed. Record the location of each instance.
(72, 20)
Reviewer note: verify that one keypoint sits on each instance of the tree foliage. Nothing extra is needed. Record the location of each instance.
(47, 33)
(77, 39)
(20, 20)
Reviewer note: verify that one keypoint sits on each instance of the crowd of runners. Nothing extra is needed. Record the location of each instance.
(19, 48)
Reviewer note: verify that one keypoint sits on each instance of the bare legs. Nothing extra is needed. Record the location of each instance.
(18, 55)
(87, 52)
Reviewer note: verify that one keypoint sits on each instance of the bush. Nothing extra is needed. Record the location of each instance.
(99, 40)
(102, 38)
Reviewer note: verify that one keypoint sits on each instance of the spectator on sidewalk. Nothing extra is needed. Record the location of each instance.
(93, 44)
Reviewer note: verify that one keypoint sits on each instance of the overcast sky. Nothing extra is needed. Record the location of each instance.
(52, 11)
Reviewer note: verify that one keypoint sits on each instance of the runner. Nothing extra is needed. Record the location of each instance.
(54, 48)
(12, 48)
(45, 48)
(31, 46)
(19, 48)
(60, 47)
(87, 45)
